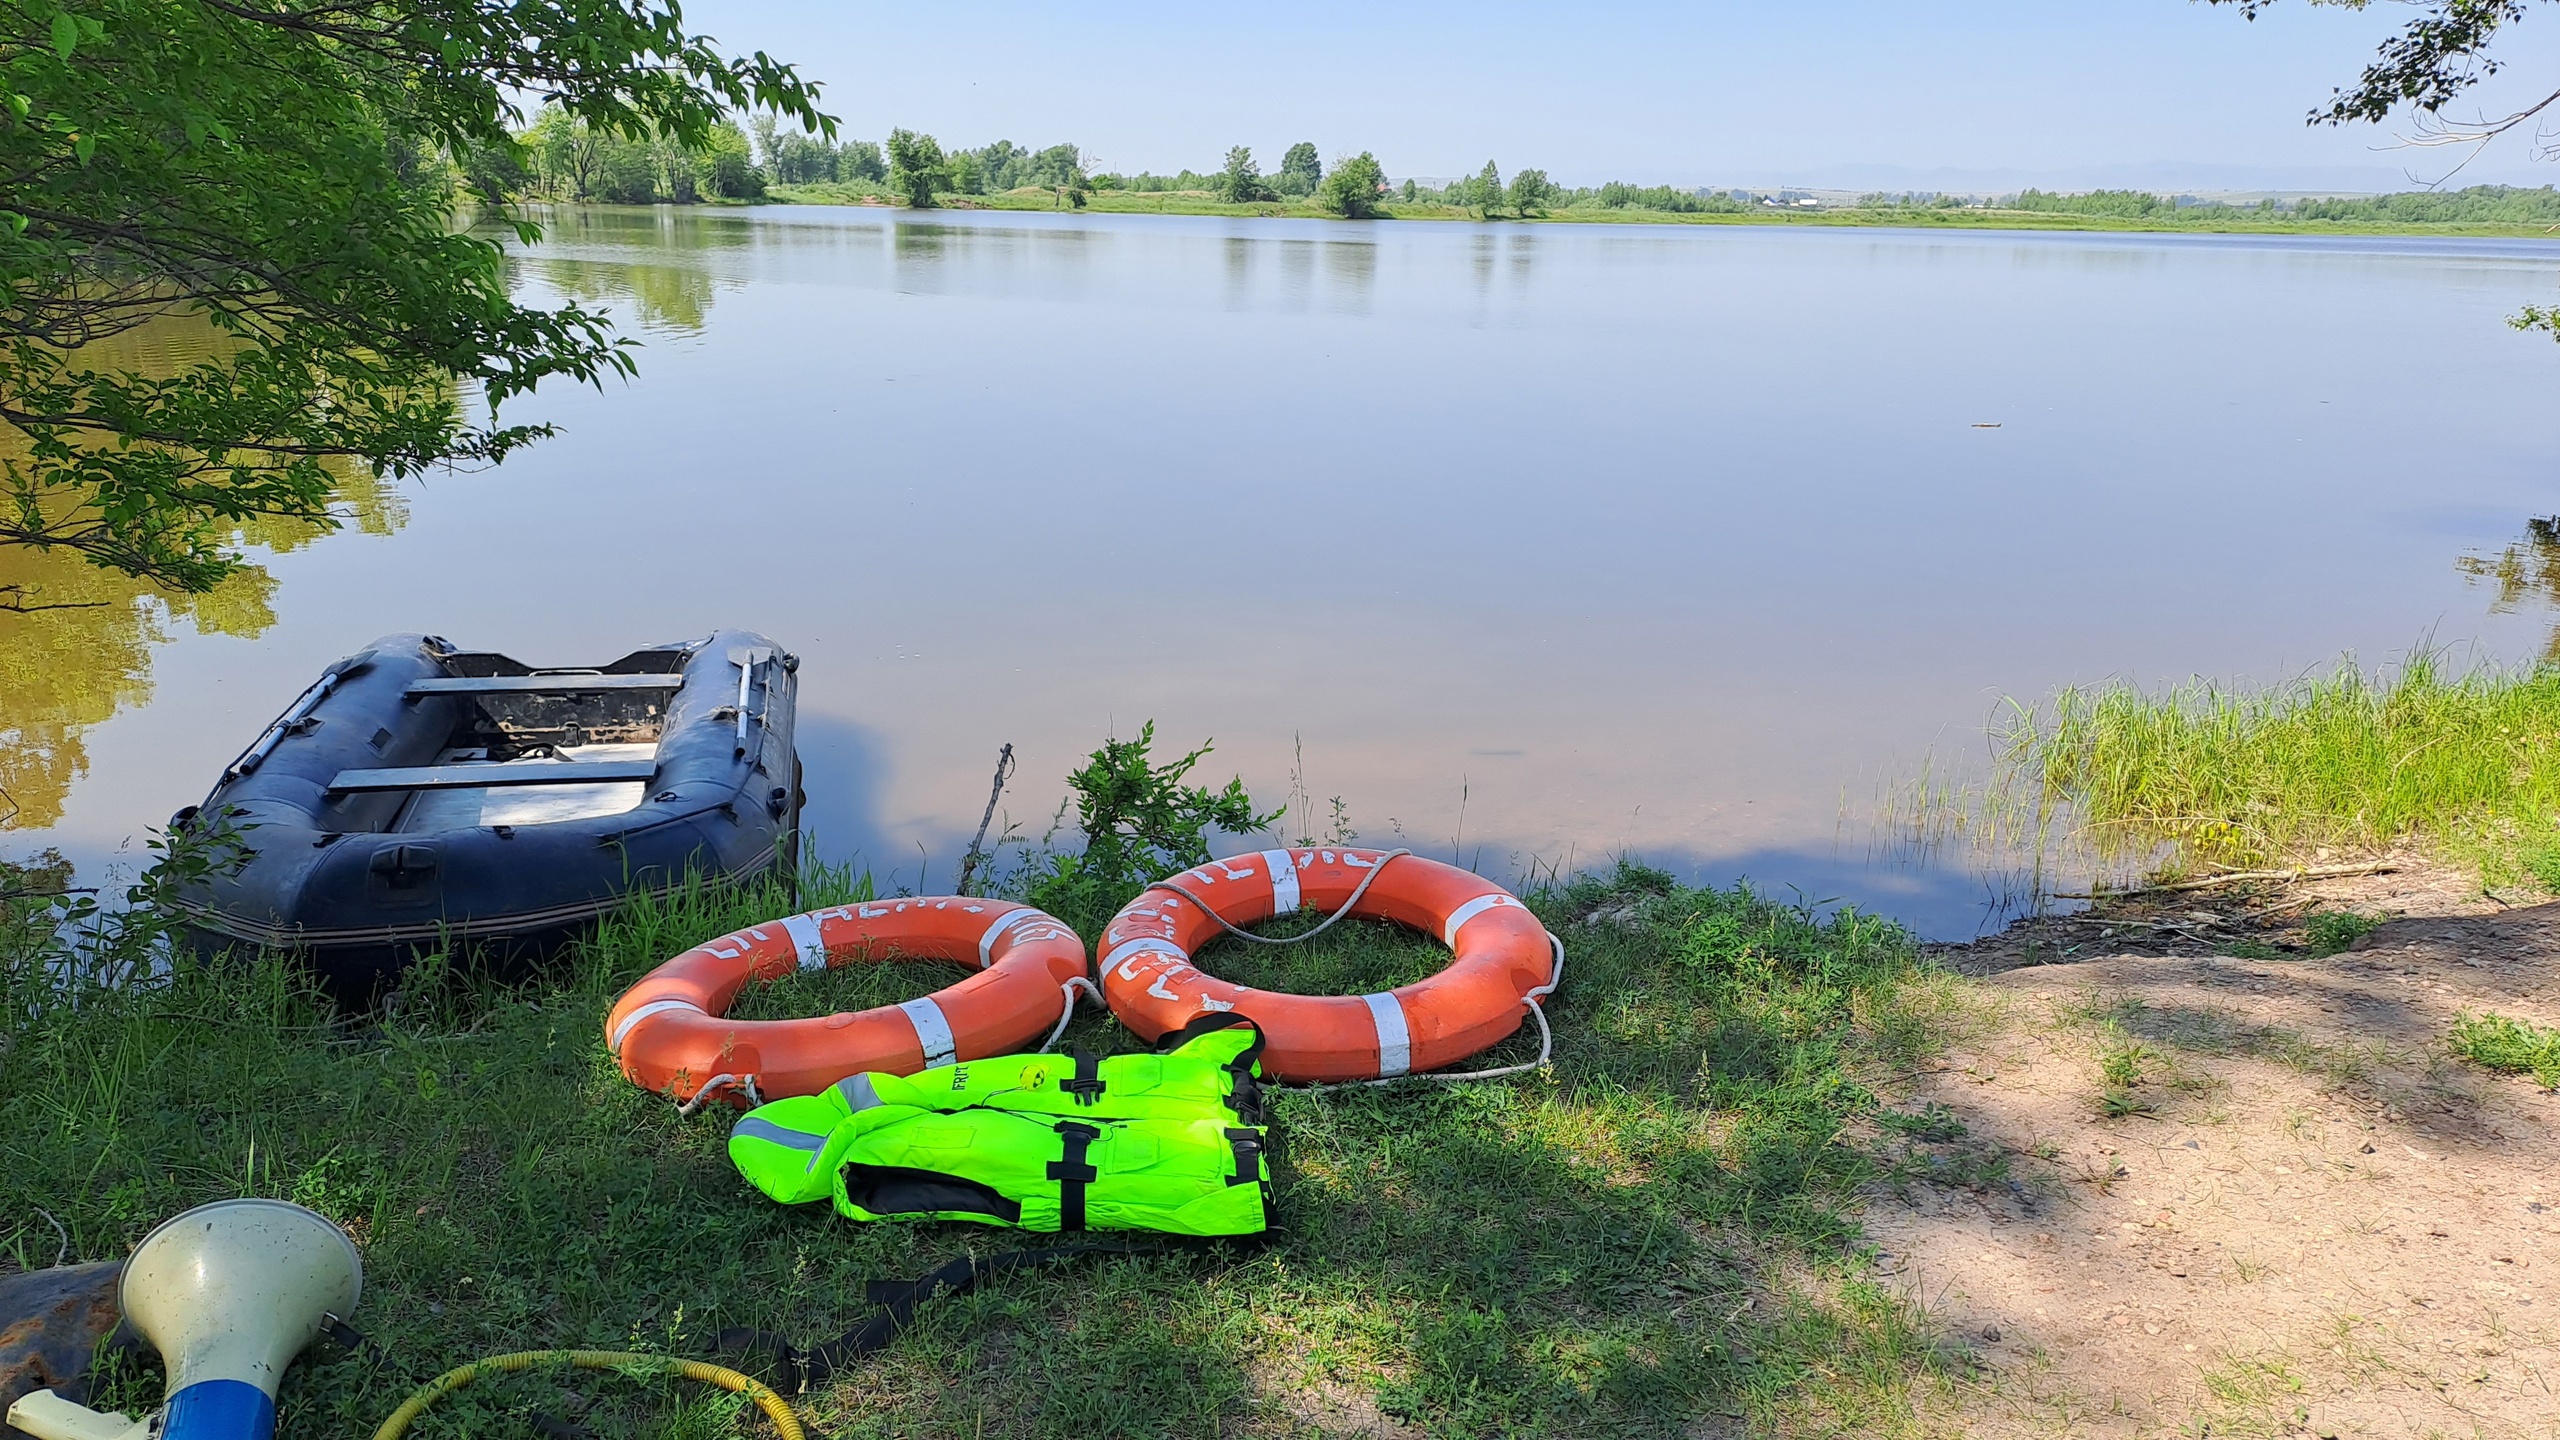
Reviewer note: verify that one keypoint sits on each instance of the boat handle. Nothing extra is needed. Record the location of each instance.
(290, 722)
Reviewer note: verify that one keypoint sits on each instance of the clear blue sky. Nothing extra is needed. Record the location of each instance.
(1851, 92)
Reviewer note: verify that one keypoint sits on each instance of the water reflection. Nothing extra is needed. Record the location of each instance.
(1239, 253)
(664, 299)
(2526, 573)
(76, 641)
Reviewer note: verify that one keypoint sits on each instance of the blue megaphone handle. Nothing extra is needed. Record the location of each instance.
(220, 1410)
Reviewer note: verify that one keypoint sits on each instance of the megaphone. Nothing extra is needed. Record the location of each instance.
(228, 1293)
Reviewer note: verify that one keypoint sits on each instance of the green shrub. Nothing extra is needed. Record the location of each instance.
(1140, 823)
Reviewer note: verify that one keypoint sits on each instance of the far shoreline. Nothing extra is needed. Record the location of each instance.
(1177, 202)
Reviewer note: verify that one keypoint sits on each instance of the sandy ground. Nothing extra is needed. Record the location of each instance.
(2318, 1221)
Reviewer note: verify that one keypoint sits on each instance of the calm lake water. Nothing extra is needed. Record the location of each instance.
(1534, 544)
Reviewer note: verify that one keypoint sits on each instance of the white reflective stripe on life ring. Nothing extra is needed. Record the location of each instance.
(654, 1007)
(933, 1031)
(1473, 908)
(803, 931)
(1395, 1043)
(1284, 882)
(1144, 944)
(995, 932)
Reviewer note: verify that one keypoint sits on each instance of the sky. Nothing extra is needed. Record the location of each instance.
(1853, 94)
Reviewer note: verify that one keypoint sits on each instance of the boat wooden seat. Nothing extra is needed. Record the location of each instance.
(476, 776)
(539, 684)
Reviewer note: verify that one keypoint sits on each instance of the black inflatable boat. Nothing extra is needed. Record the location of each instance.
(418, 798)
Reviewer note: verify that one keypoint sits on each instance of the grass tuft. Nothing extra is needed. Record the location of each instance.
(2510, 1047)
(2218, 775)
(2331, 931)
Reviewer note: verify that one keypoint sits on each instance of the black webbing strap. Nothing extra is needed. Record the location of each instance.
(1248, 1148)
(792, 1370)
(1245, 1097)
(1087, 1086)
(1208, 1022)
(1073, 1174)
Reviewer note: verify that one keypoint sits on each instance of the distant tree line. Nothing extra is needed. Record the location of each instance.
(2478, 205)
(792, 157)
(914, 169)
(562, 157)
(1532, 193)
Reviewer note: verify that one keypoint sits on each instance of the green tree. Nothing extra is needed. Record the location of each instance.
(497, 174)
(861, 160)
(1484, 192)
(1240, 183)
(1532, 192)
(2435, 57)
(917, 168)
(1300, 171)
(628, 170)
(724, 165)
(2428, 65)
(1352, 190)
(968, 176)
(276, 167)
(567, 155)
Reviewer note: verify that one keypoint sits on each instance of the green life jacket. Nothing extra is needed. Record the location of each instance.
(1172, 1142)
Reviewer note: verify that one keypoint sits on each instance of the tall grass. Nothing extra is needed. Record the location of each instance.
(2212, 775)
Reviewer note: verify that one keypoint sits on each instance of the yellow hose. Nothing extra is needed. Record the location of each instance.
(451, 1380)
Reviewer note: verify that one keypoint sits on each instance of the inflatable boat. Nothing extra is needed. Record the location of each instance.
(422, 798)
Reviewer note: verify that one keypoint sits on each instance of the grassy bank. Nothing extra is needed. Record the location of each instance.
(1201, 202)
(1658, 1232)
(2329, 766)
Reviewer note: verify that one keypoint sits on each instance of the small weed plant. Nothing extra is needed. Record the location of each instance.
(1139, 822)
(2332, 931)
(2124, 1064)
(2541, 864)
(2510, 1047)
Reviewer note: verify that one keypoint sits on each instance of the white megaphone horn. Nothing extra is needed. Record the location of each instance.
(228, 1293)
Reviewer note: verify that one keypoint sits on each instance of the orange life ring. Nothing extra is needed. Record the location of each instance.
(1502, 961)
(668, 1034)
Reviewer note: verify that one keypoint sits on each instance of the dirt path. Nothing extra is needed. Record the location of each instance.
(2311, 1219)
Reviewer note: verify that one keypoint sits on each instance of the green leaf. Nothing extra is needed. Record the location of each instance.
(83, 146)
(66, 33)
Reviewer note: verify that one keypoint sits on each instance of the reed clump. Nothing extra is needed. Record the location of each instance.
(2213, 775)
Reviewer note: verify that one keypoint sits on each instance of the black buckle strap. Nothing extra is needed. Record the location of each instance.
(1248, 1148)
(1072, 1173)
(1087, 1086)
